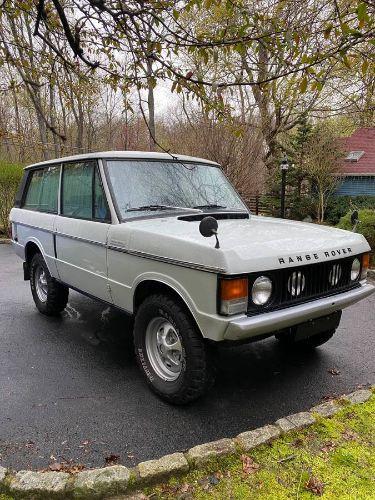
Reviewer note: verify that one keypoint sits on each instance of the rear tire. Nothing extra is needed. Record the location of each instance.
(171, 351)
(50, 297)
(309, 343)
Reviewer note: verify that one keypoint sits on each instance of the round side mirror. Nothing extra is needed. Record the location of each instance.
(208, 227)
(354, 217)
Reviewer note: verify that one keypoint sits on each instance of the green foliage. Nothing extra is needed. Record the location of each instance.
(338, 206)
(10, 177)
(365, 227)
(301, 207)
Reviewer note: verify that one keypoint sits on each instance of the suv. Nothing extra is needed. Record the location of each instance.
(133, 229)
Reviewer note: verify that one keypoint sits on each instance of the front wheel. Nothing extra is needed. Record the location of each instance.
(170, 350)
(50, 297)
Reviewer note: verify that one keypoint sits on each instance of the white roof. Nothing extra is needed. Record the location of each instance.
(137, 155)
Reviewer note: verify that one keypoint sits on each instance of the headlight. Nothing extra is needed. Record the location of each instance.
(356, 268)
(261, 290)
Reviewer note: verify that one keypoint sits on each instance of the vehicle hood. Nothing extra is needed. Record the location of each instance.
(246, 245)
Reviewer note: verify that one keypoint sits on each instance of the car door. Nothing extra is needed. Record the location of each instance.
(81, 229)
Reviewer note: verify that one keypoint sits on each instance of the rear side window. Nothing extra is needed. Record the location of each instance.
(82, 192)
(42, 190)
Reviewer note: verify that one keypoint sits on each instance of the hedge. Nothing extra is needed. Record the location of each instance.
(10, 177)
(366, 226)
(338, 206)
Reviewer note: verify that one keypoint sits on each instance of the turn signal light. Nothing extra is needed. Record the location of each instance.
(365, 265)
(233, 295)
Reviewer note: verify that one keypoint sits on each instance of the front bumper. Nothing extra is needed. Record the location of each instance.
(248, 327)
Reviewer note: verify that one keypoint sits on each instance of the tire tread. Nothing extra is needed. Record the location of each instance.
(201, 377)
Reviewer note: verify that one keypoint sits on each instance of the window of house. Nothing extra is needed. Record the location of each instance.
(42, 190)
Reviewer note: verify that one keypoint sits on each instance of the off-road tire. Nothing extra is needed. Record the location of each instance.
(197, 373)
(305, 344)
(57, 294)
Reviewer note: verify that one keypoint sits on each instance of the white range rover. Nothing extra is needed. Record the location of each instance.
(132, 230)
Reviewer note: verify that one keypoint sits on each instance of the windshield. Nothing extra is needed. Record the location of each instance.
(145, 187)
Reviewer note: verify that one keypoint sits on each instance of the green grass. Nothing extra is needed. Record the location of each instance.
(333, 459)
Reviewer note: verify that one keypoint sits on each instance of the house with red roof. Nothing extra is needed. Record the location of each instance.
(358, 165)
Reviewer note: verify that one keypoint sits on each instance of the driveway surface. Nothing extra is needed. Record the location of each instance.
(70, 389)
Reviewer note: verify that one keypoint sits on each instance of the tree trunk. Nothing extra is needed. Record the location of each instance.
(151, 107)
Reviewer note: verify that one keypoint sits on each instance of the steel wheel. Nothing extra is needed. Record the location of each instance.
(164, 349)
(41, 284)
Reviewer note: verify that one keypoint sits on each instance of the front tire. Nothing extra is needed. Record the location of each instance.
(50, 297)
(171, 351)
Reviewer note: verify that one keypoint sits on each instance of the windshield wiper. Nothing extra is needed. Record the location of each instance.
(157, 207)
(211, 205)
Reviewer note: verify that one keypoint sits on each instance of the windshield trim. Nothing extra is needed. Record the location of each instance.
(172, 212)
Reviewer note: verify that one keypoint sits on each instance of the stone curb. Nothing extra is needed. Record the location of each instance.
(119, 480)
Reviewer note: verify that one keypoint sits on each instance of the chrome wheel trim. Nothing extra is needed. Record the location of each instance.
(41, 285)
(164, 349)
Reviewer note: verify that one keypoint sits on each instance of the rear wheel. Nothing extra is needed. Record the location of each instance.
(170, 350)
(50, 297)
(308, 343)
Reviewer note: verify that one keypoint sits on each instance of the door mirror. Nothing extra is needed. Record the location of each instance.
(208, 227)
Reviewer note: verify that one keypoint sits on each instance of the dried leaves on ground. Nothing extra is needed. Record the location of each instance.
(248, 465)
(315, 486)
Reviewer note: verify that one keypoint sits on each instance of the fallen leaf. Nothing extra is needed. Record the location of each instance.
(185, 488)
(298, 443)
(349, 435)
(84, 444)
(328, 447)
(334, 371)
(56, 467)
(329, 397)
(70, 467)
(248, 464)
(315, 486)
(112, 459)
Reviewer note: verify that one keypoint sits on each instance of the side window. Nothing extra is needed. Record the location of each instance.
(43, 189)
(82, 192)
(77, 189)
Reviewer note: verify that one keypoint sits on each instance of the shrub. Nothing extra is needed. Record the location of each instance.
(338, 206)
(365, 227)
(10, 177)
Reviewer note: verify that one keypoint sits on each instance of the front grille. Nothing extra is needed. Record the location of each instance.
(295, 285)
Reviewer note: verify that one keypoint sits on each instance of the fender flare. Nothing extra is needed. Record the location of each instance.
(170, 283)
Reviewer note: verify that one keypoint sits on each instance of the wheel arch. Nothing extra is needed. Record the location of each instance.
(152, 286)
(32, 247)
